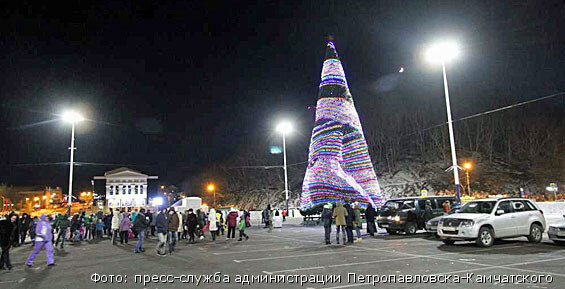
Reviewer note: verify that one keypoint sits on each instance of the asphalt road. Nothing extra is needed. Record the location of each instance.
(288, 254)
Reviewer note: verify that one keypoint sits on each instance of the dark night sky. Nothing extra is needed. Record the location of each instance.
(179, 84)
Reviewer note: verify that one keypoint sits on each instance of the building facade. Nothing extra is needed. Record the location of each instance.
(28, 199)
(126, 188)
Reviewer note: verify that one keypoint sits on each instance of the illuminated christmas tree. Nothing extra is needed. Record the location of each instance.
(339, 164)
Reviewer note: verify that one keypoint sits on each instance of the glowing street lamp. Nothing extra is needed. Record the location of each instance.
(284, 128)
(212, 188)
(468, 167)
(441, 53)
(73, 118)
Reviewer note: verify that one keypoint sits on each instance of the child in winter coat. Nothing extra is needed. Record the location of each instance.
(99, 229)
(242, 228)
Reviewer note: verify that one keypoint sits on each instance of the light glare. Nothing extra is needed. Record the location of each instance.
(157, 201)
(72, 117)
(284, 127)
(442, 52)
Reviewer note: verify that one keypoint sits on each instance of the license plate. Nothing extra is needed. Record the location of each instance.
(448, 229)
(561, 234)
(384, 225)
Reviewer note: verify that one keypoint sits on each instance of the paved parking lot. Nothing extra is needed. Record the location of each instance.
(291, 251)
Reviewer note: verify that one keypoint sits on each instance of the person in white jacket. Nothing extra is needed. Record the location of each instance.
(181, 225)
(213, 220)
(115, 226)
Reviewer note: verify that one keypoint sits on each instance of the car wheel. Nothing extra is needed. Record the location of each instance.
(391, 232)
(448, 241)
(410, 229)
(485, 238)
(536, 233)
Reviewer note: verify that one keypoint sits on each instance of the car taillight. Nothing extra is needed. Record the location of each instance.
(541, 212)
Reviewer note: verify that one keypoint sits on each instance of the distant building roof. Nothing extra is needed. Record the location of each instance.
(124, 172)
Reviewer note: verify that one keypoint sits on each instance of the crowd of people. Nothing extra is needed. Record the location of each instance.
(120, 225)
(347, 218)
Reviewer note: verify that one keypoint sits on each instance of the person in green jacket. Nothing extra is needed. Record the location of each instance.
(339, 214)
(242, 228)
(87, 227)
(357, 221)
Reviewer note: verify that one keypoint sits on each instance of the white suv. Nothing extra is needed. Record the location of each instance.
(484, 220)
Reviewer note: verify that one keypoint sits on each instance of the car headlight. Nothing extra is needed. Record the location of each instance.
(552, 229)
(467, 223)
(396, 219)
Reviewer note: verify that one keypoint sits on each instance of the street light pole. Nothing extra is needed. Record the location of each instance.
(285, 170)
(454, 167)
(70, 195)
(284, 128)
(468, 183)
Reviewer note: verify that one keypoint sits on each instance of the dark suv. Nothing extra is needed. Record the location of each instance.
(407, 214)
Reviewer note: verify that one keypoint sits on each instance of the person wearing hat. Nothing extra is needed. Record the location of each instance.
(339, 214)
(327, 219)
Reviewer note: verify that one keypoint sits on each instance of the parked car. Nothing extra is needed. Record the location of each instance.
(431, 225)
(483, 221)
(557, 233)
(408, 214)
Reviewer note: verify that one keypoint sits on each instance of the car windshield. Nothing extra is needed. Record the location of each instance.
(478, 207)
(399, 204)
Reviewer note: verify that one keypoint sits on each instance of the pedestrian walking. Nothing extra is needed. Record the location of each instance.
(357, 224)
(232, 223)
(242, 226)
(173, 227)
(32, 225)
(270, 218)
(43, 239)
(349, 220)
(108, 224)
(24, 227)
(99, 229)
(221, 222)
(115, 227)
(213, 220)
(370, 219)
(8, 228)
(16, 235)
(340, 213)
(152, 220)
(125, 225)
(75, 235)
(63, 225)
(191, 224)
(181, 225)
(87, 227)
(161, 227)
(327, 219)
(428, 211)
(139, 227)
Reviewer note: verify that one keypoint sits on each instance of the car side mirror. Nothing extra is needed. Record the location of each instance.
(500, 212)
